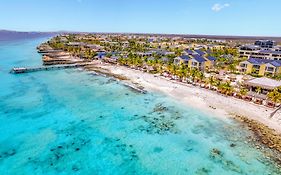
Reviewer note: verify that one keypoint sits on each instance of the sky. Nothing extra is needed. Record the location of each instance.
(210, 17)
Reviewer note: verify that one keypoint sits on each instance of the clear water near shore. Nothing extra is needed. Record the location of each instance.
(74, 122)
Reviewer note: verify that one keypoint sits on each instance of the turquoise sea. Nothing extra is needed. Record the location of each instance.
(75, 122)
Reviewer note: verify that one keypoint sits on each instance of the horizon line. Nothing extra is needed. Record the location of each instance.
(142, 33)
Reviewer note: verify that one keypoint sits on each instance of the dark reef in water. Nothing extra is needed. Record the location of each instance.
(118, 148)
(158, 149)
(8, 153)
(76, 142)
(217, 156)
(160, 121)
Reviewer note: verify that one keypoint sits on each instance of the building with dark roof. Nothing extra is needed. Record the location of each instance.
(182, 60)
(201, 53)
(265, 43)
(260, 66)
(189, 52)
(211, 58)
(262, 49)
(199, 58)
(196, 61)
(201, 62)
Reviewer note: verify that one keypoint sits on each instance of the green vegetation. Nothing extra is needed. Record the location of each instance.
(275, 95)
(227, 58)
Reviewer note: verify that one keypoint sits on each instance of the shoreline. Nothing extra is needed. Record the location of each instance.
(254, 116)
(200, 98)
(266, 131)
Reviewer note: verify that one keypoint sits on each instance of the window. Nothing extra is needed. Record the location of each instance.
(270, 69)
(194, 64)
(256, 66)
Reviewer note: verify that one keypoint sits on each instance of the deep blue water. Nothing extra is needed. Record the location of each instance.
(75, 122)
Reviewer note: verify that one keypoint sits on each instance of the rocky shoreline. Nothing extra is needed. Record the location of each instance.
(126, 81)
(263, 136)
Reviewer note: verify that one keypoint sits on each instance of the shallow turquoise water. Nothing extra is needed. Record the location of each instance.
(74, 122)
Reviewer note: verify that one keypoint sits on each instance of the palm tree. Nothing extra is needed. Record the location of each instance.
(208, 82)
(213, 81)
(174, 69)
(193, 73)
(178, 52)
(159, 68)
(226, 88)
(171, 68)
(181, 71)
(243, 91)
(232, 67)
(275, 95)
(199, 76)
(258, 90)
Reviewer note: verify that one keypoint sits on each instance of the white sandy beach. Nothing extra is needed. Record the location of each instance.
(205, 100)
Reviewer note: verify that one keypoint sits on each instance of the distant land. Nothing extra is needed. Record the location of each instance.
(10, 35)
(218, 37)
(15, 35)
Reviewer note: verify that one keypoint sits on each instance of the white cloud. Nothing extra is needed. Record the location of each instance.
(218, 7)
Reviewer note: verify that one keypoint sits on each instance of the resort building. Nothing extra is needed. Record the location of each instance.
(94, 47)
(156, 52)
(196, 52)
(265, 43)
(143, 54)
(199, 52)
(162, 52)
(165, 60)
(184, 59)
(202, 63)
(196, 61)
(265, 84)
(189, 52)
(260, 67)
(261, 50)
(76, 44)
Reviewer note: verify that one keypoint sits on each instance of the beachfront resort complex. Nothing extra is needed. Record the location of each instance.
(248, 70)
(149, 87)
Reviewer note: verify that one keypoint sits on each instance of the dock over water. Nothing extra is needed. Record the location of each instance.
(20, 70)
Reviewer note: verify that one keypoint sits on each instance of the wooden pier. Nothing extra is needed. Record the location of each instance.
(20, 70)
